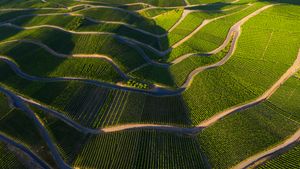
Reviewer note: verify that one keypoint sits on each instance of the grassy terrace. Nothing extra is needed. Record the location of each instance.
(140, 149)
(287, 99)
(266, 125)
(209, 38)
(162, 3)
(209, 1)
(15, 124)
(80, 24)
(289, 159)
(8, 158)
(125, 56)
(134, 7)
(67, 139)
(176, 74)
(168, 19)
(8, 15)
(107, 14)
(266, 49)
(249, 72)
(152, 12)
(25, 4)
(195, 19)
(190, 23)
(229, 80)
(35, 61)
(253, 130)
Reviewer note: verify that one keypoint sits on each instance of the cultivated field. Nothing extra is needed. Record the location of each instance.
(149, 84)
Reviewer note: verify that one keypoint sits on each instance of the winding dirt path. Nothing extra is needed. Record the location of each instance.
(157, 91)
(189, 131)
(294, 68)
(269, 153)
(158, 52)
(203, 24)
(234, 31)
(127, 39)
(290, 72)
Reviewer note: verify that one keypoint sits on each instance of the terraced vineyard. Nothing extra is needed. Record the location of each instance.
(189, 84)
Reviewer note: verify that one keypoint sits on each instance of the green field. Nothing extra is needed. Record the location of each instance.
(176, 74)
(8, 159)
(289, 159)
(208, 38)
(96, 106)
(15, 124)
(253, 130)
(238, 80)
(68, 44)
(149, 84)
(80, 24)
(140, 149)
(151, 2)
(47, 65)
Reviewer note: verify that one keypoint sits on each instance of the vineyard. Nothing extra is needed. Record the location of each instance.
(144, 149)
(289, 159)
(259, 128)
(48, 65)
(149, 84)
(81, 24)
(8, 159)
